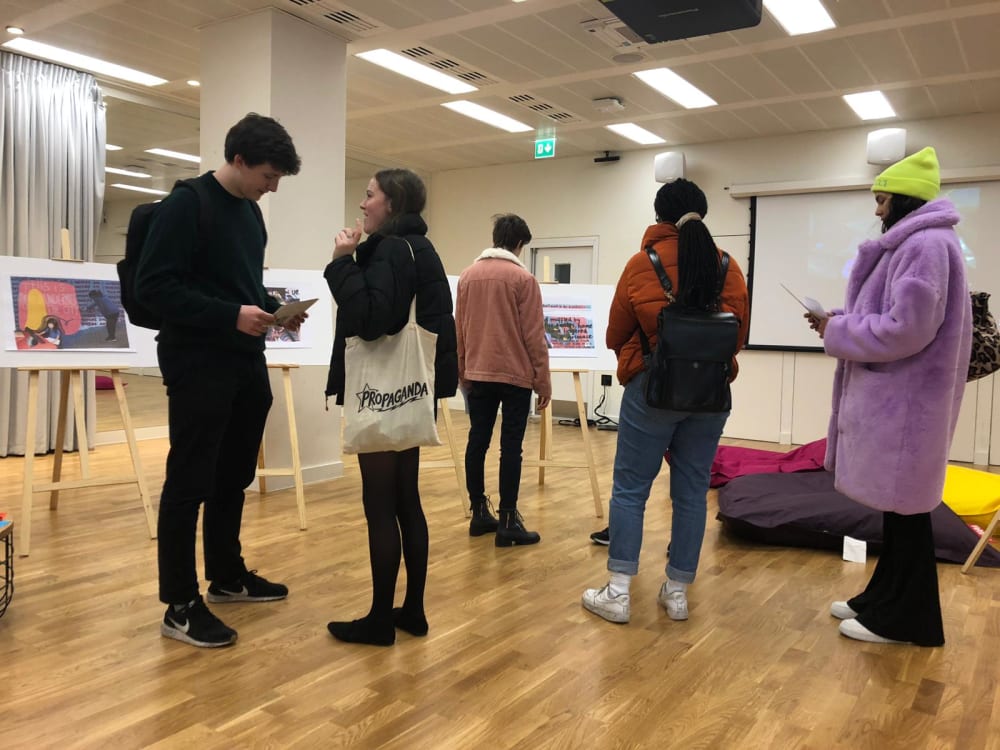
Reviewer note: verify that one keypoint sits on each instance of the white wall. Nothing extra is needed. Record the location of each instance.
(780, 397)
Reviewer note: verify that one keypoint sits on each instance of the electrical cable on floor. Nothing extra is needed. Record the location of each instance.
(603, 422)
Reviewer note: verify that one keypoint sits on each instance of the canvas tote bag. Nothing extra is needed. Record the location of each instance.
(389, 390)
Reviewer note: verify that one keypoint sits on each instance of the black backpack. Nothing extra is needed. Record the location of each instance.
(135, 239)
(689, 370)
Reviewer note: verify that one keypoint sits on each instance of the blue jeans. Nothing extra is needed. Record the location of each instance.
(644, 434)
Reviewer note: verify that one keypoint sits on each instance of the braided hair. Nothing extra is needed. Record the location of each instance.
(697, 257)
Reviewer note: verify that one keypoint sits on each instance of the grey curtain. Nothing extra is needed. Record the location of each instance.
(52, 130)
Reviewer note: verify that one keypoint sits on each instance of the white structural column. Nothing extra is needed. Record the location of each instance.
(278, 65)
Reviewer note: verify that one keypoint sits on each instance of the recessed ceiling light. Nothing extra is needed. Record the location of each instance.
(800, 16)
(137, 189)
(112, 147)
(194, 83)
(411, 69)
(634, 133)
(83, 62)
(672, 86)
(127, 173)
(15, 30)
(870, 105)
(484, 114)
(174, 154)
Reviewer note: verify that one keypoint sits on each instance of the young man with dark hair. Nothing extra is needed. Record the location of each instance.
(209, 292)
(502, 357)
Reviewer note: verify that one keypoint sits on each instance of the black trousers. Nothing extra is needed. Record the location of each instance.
(901, 600)
(217, 406)
(111, 325)
(484, 400)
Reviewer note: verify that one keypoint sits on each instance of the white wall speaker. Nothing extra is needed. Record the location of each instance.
(668, 166)
(886, 146)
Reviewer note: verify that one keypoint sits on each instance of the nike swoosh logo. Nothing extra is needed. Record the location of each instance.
(242, 592)
(183, 628)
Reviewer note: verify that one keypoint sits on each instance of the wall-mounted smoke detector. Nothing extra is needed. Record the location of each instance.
(608, 104)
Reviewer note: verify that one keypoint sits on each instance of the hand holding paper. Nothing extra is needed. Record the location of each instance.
(814, 307)
(290, 310)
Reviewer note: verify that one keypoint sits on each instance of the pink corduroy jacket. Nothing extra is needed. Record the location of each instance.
(501, 331)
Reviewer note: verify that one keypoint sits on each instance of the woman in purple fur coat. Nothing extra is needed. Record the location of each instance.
(902, 341)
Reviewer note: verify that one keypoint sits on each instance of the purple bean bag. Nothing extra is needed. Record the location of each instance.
(804, 510)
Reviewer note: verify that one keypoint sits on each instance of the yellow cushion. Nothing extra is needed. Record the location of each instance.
(972, 494)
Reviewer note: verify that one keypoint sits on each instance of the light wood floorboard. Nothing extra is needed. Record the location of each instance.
(512, 660)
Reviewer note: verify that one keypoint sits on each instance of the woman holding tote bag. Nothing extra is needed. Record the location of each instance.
(374, 283)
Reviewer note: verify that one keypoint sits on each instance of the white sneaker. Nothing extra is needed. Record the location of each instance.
(675, 603)
(854, 629)
(841, 611)
(602, 603)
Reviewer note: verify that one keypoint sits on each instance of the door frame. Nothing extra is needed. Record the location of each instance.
(543, 243)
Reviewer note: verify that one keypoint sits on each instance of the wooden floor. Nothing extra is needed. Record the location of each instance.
(512, 660)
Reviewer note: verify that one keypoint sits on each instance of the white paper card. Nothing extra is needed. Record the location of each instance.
(808, 303)
(855, 550)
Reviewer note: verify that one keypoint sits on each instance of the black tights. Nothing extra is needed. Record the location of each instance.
(392, 507)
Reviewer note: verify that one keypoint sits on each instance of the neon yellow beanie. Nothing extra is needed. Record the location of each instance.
(918, 175)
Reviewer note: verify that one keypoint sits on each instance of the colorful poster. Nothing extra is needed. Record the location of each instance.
(279, 337)
(59, 314)
(569, 325)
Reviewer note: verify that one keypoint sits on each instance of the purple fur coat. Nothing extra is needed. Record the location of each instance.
(903, 343)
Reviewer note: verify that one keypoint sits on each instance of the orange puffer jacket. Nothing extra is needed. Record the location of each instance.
(639, 298)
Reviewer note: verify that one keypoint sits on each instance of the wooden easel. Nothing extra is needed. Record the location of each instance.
(981, 545)
(71, 375)
(545, 444)
(295, 470)
(455, 462)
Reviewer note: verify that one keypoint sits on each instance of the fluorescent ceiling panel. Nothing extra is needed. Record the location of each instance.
(672, 86)
(82, 62)
(174, 154)
(425, 74)
(127, 173)
(800, 16)
(634, 133)
(490, 117)
(136, 188)
(870, 105)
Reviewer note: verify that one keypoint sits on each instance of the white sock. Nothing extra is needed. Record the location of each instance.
(673, 586)
(619, 583)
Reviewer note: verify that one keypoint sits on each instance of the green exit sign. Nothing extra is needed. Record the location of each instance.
(545, 148)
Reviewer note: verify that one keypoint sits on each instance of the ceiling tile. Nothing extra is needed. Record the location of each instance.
(978, 42)
(794, 70)
(935, 49)
(884, 55)
(748, 73)
(838, 64)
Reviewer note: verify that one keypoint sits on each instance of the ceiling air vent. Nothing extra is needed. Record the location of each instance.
(543, 108)
(352, 21)
(336, 18)
(449, 65)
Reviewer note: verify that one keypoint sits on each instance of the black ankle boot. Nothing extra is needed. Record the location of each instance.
(511, 531)
(483, 521)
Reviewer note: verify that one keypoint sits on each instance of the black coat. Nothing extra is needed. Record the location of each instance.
(373, 290)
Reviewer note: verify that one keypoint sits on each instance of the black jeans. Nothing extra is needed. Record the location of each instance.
(484, 400)
(217, 406)
(901, 600)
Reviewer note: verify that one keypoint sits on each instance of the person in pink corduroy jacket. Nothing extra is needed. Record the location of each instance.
(502, 357)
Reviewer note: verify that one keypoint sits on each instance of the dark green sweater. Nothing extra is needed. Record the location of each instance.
(198, 290)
